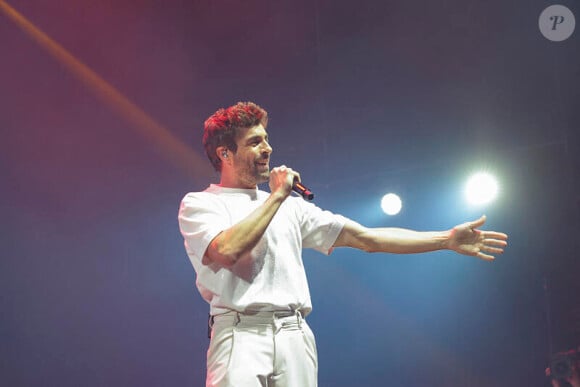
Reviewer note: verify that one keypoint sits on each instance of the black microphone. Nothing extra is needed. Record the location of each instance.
(299, 188)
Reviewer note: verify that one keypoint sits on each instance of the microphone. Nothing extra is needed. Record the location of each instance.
(299, 188)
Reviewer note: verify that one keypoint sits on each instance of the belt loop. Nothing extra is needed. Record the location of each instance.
(209, 325)
(238, 319)
(277, 325)
(299, 318)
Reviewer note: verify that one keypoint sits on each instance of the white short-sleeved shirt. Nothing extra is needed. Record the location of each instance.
(269, 278)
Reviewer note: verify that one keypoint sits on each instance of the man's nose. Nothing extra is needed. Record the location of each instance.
(267, 149)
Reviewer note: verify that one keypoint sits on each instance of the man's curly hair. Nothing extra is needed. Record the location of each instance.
(222, 128)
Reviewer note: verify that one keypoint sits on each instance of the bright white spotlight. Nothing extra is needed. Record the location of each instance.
(481, 188)
(391, 204)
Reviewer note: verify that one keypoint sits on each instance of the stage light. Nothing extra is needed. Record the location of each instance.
(391, 204)
(481, 188)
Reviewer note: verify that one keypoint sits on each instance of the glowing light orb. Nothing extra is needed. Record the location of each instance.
(391, 204)
(481, 188)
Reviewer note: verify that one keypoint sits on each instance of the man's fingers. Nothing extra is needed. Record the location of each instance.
(493, 250)
(486, 248)
(291, 174)
(296, 176)
(477, 223)
(494, 235)
(485, 257)
(495, 242)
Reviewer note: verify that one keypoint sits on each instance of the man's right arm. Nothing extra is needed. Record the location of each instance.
(232, 243)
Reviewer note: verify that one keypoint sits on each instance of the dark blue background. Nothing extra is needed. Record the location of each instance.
(364, 98)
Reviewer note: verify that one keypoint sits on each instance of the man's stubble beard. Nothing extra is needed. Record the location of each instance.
(251, 176)
(263, 177)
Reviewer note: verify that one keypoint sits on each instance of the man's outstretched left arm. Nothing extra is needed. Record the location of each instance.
(464, 239)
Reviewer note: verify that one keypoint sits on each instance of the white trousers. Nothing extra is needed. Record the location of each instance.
(265, 349)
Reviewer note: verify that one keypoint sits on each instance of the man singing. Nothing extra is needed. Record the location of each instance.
(246, 245)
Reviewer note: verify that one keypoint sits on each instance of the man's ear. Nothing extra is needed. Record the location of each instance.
(223, 153)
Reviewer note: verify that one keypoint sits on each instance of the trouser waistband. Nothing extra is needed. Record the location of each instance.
(277, 319)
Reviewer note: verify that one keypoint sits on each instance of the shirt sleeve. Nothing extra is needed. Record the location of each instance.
(201, 219)
(319, 228)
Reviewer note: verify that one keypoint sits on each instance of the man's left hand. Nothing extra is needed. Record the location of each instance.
(466, 239)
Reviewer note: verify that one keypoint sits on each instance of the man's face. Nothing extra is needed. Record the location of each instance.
(251, 162)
